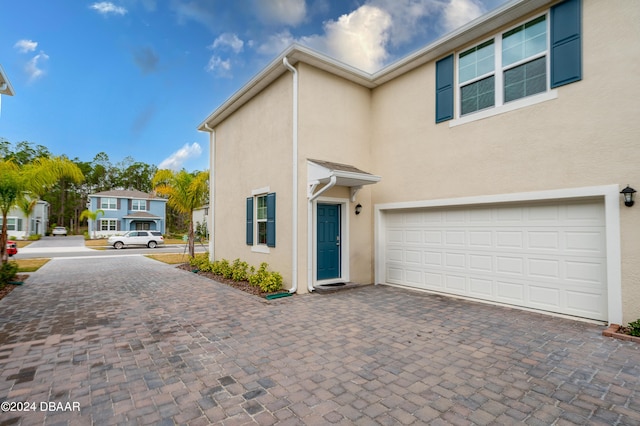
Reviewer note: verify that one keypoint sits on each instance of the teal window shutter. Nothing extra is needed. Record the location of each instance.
(250, 221)
(444, 89)
(271, 219)
(566, 43)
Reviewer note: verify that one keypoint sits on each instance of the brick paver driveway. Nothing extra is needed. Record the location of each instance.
(129, 340)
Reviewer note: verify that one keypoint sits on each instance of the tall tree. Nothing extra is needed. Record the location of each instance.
(26, 205)
(9, 190)
(93, 217)
(185, 192)
(35, 179)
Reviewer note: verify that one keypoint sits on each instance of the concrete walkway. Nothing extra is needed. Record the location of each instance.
(133, 341)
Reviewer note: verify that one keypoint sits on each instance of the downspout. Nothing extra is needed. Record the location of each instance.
(294, 215)
(212, 200)
(312, 198)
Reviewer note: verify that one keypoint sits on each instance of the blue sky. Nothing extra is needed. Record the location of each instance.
(135, 77)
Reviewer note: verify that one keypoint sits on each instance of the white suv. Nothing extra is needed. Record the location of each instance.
(150, 239)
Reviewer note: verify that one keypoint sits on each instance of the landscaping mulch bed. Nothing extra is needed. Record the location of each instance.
(240, 285)
(8, 288)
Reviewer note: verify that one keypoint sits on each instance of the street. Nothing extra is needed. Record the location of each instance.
(73, 246)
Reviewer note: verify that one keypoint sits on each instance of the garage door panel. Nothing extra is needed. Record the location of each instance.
(481, 287)
(456, 284)
(510, 292)
(433, 237)
(433, 281)
(509, 239)
(585, 272)
(510, 265)
(480, 263)
(479, 239)
(549, 256)
(544, 268)
(543, 240)
(586, 242)
(547, 298)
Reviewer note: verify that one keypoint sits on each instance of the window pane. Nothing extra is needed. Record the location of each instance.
(525, 80)
(476, 61)
(262, 207)
(477, 96)
(524, 41)
(262, 232)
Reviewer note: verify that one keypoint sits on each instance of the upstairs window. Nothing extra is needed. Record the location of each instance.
(520, 58)
(139, 205)
(526, 61)
(108, 204)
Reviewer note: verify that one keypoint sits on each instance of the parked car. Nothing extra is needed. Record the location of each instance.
(150, 239)
(59, 230)
(12, 248)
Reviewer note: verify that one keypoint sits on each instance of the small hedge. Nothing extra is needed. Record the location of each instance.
(634, 328)
(268, 281)
(7, 272)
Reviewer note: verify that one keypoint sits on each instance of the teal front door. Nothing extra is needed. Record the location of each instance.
(328, 236)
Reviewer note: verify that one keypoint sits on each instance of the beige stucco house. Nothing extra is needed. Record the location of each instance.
(486, 165)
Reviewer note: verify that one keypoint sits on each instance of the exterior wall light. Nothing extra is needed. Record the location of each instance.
(358, 208)
(627, 193)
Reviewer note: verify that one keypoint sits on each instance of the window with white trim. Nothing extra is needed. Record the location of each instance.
(108, 224)
(139, 205)
(510, 66)
(108, 204)
(261, 218)
(13, 224)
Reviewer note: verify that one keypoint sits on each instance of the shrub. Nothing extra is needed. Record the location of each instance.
(634, 328)
(34, 237)
(239, 270)
(267, 281)
(222, 267)
(201, 262)
(7, 272)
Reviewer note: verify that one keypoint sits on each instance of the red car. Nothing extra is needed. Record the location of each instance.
(12, 248)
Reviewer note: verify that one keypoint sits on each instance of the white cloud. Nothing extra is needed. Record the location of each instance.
(287, 12)
(365, 37)
(25, 46)
(220, 66)
(276, 43)
(459, 12)
(357, 39)
(228, 40)
(33, 68)
(106, 7)
(176, 160)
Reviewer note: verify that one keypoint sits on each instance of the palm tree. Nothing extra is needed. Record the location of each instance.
(33, 179)
(26, 206)
(185, 192)
(9, 191)
(93, 217)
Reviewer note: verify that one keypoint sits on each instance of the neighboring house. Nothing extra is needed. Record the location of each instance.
(201, 217)
(126, 210)
(486, 165)
(20, 227)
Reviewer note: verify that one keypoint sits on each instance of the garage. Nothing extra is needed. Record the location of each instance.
(548, 256)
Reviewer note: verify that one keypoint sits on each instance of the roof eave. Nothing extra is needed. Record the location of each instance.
(8, 90)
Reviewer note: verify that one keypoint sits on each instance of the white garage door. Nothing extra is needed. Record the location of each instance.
(550, 257)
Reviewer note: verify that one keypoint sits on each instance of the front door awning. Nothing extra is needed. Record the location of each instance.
(332, 174)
